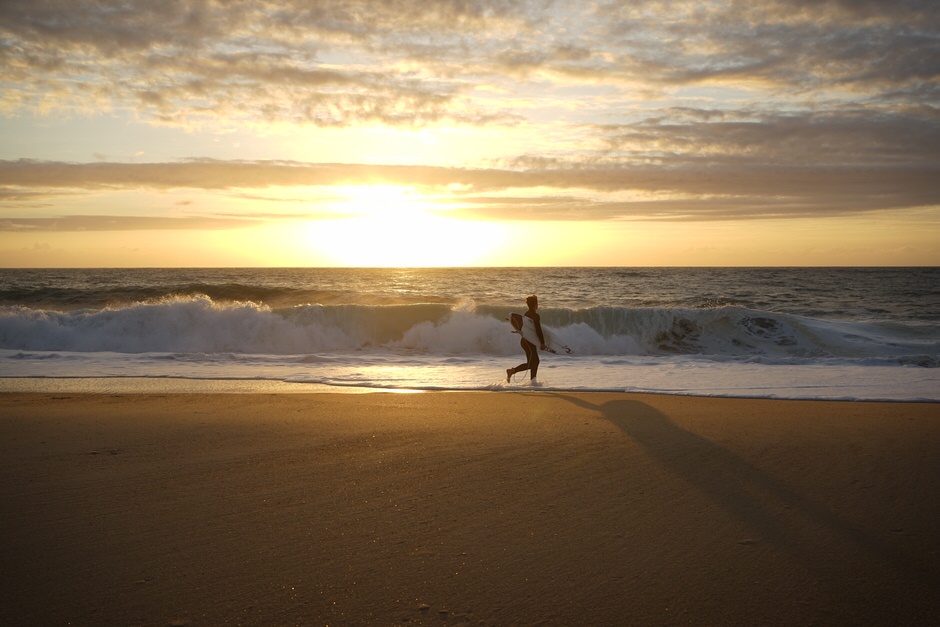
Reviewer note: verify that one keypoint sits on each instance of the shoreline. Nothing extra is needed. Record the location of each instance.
(182, 385)
(466, 508)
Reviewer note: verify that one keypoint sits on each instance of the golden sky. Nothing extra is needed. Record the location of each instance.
(462, 132)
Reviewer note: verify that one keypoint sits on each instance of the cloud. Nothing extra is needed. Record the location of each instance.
(317, 62)
(418, 62)
(800, 44)
(850, 136)
(121, 223)
(689, 188)
(692, 110)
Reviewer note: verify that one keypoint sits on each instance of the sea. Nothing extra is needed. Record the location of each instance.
(794, 333)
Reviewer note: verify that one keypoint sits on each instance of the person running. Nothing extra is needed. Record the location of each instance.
(531, 351)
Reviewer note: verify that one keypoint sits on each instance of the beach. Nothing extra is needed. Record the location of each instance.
(481, 508)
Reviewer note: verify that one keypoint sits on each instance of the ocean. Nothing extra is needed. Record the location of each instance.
(799, 333)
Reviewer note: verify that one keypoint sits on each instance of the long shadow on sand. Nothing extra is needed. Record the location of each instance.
(804, 528)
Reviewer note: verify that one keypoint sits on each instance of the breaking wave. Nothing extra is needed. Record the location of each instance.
(198, 324)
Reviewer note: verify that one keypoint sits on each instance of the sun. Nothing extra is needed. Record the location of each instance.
(390, 226)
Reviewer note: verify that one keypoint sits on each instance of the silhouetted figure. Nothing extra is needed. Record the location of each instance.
(531, 351)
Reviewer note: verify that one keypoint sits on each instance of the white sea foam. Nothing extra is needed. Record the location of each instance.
(401, 338)
(200, 325)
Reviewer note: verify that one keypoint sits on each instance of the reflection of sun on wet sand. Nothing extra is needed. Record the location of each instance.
(492, 508)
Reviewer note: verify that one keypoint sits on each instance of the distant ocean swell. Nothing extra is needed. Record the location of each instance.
(197, 324)
(72, 298)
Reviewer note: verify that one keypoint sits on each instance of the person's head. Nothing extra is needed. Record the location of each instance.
(532, 301)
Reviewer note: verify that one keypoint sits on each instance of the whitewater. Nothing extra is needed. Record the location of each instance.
(860, 334)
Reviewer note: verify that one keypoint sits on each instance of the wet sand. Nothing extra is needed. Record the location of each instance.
(466, 508)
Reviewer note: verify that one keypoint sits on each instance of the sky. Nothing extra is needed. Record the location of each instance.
(161, 133)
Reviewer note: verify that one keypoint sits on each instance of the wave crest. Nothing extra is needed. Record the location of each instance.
(198, 324)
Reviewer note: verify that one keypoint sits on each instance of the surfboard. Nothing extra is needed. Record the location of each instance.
(525, 326)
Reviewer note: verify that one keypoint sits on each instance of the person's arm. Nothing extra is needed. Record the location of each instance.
(538, 329)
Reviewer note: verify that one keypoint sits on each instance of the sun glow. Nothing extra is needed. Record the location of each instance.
(387, 226)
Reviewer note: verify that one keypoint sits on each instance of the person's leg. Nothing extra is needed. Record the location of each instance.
(533, 354)
(529, 349)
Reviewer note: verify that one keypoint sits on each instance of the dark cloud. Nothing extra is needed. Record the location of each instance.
(845, 137)
(793, 42)
(688, 189)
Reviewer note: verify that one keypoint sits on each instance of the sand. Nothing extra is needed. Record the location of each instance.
(466, 508)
